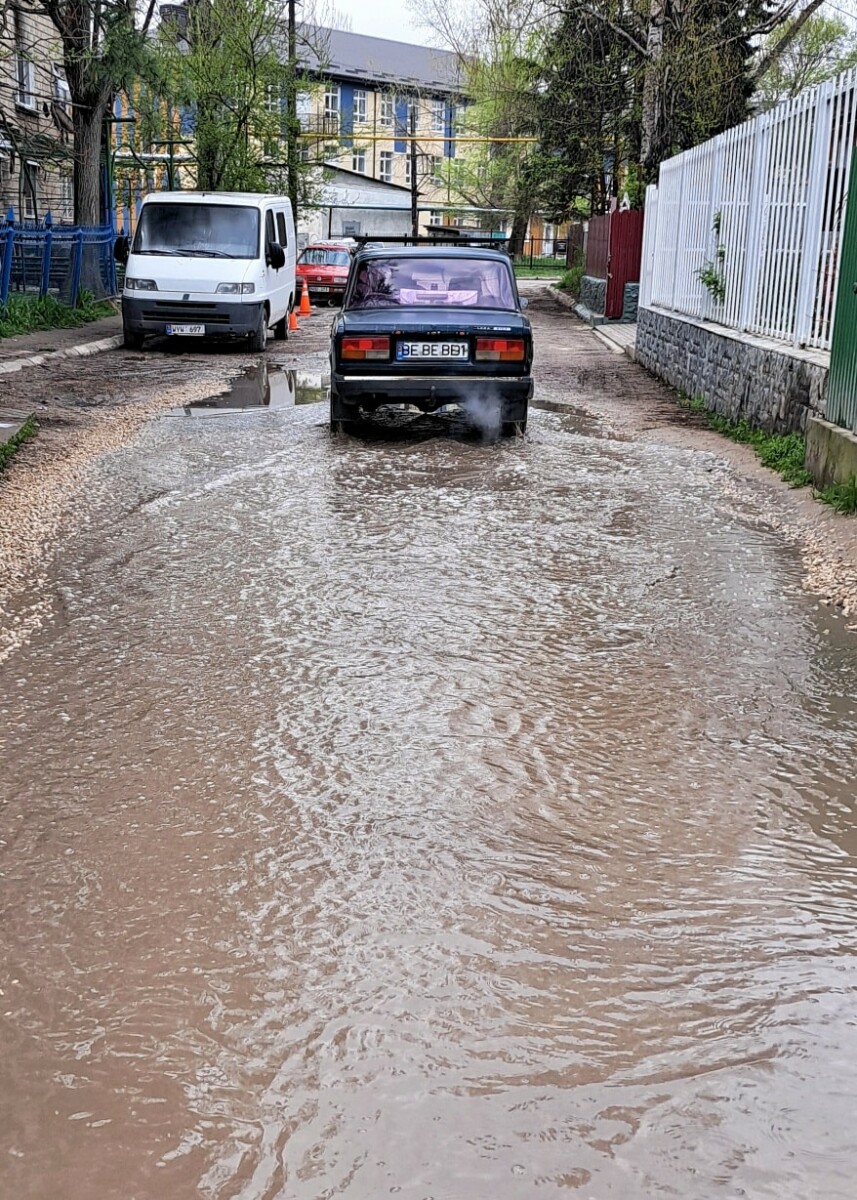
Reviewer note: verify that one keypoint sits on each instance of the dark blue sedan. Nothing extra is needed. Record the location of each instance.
(432, 327)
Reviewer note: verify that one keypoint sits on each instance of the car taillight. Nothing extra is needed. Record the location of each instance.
(500, 349)
(365, 347)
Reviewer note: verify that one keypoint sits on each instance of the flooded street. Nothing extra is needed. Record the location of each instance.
(412, 815)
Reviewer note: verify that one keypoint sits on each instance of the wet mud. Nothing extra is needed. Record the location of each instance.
(430, 816)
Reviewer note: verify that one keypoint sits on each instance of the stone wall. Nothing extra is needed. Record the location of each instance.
(737, 375)
(630, 300)
(593, 293)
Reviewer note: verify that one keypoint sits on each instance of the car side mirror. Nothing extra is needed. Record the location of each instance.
(276, 256)
(524, 302)
(121, 249)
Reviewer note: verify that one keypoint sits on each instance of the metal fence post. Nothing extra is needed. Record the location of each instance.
(753, 247)
(77, 267)
(47, 248)
(111, 261)
(814, 213)
(6, 276)
(715, 187)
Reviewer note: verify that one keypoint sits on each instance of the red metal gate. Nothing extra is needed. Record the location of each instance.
(614, 248)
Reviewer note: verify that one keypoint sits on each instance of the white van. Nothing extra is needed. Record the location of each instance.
(209, 264)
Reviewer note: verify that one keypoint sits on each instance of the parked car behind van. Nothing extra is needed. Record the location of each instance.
(209, 264)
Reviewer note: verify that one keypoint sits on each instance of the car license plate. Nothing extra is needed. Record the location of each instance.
(456, 350)
(186, 330)
(317, 288)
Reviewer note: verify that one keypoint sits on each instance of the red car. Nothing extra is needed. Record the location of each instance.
(325, 267)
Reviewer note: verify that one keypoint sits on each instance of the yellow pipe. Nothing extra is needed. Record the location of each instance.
(406, 137)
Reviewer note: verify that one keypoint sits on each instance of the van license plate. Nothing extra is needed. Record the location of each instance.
(431, 350)
(186, 330)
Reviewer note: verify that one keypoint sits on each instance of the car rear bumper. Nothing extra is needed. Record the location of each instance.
(220, 317)
(431, 391)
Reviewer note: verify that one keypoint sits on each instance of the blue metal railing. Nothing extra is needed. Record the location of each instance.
(38, 258)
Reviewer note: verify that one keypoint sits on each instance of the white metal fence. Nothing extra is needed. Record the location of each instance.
(759, 212)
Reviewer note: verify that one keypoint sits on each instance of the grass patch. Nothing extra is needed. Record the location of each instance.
(7, 449)
(29, 314)
(569, 281)
(841, 496)
(784, 453)
(540, 270)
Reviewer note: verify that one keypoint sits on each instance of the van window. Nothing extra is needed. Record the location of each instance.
(281, 229)
(269, 226)
(198, 230)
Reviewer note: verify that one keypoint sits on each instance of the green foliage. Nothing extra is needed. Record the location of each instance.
(841, 496)
(569, 281)
(784, 453)
(28, 314)
(501, 82)
(586, 114)
(7, 449)
(230, 74)
(710, 274)
(822, 48)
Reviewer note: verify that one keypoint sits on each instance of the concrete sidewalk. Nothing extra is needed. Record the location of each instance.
(35, 349)
(617, 336)
(620, 338)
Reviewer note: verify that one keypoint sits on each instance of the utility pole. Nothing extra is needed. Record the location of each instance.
(293, 127)
(415, 194)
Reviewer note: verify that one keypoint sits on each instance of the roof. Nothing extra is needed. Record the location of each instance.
(188, 197)
(357, 56)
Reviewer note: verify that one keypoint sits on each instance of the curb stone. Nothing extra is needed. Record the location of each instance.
(82, 351)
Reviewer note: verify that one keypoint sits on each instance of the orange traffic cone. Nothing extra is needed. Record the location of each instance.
(305, 309)
(293, 322)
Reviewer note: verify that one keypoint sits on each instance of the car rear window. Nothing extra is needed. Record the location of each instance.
(432, 282)
(320, 257)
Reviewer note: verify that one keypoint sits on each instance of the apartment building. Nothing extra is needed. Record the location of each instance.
(384, 109)
(35, 119)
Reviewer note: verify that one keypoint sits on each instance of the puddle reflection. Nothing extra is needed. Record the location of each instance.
(259, 388)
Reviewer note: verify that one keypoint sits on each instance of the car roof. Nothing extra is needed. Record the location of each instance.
(436, 252)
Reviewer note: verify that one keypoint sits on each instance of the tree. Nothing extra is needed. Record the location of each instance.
(104, 49)
(587, 115)
(499, 48)
(821, 49)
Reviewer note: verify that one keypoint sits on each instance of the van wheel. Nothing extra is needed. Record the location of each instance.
(281, 329)
(513, 428)
(131, 339)
(259, 334)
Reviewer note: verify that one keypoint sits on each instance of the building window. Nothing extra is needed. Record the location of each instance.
(435, 217)
(303, 106)
(413, 115)
(62, 94)
(358, 162)
(388, 110)
(385, 166)
(30, 188)
(331, 103)
(360, 107)
(435, 165)
(437, 116)
(272, 99)
(66, 197)
(25, 93)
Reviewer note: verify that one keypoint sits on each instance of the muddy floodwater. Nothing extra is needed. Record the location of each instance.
(416, 816)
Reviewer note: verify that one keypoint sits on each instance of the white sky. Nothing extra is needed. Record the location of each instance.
(382, 18)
